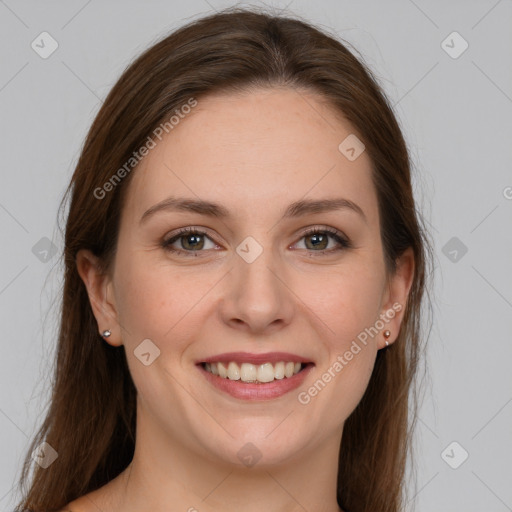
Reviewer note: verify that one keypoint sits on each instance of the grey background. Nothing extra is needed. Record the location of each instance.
(455, 113)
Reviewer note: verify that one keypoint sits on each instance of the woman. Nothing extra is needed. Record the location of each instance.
(245, 268)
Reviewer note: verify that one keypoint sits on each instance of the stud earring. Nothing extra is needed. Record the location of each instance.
(106, 333)
(387, 334)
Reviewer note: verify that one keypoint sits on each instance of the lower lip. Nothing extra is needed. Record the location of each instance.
(251, 391)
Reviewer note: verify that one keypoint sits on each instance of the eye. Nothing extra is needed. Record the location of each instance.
(317, 240)
(191, 240)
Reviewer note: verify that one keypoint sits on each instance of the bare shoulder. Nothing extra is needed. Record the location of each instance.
(82, 504)
(104, 499)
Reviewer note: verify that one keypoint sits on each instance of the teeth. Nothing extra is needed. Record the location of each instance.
(223, 371)
(233, 371)
(248, 372)
(279, 370)
(265, 373)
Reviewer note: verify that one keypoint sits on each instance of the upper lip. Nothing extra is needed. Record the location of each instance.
(247, 357)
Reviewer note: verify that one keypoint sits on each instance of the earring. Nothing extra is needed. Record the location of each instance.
(106, 333)
(387, 334)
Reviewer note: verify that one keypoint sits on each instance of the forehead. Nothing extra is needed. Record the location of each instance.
(265, 147)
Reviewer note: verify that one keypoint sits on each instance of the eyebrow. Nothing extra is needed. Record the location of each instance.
(211, 209)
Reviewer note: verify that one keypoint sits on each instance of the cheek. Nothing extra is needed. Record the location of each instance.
(346, 301)
(157, 302)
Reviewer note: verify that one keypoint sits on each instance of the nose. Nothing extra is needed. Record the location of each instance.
(257, 298)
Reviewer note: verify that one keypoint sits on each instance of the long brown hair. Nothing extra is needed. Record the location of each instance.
(91, 417)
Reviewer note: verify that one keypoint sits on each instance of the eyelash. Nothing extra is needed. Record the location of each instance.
(333, 233)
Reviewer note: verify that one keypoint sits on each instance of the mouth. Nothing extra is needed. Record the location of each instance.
(255, 376)
(252, 373)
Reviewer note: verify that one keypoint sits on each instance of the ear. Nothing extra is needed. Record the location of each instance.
(100, 290)
(396, 296)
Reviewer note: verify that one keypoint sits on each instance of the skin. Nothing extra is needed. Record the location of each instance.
(254, 153)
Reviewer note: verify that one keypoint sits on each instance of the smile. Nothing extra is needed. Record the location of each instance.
(255, 377)
(252, 373)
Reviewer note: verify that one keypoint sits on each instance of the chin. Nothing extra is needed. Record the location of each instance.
(249, 449)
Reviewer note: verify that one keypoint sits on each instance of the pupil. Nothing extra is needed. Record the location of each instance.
(315, 244)
(192, 237)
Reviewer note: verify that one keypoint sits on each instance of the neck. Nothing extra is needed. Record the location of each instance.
(164, 472)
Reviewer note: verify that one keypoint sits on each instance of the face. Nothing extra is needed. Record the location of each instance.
(258, 279)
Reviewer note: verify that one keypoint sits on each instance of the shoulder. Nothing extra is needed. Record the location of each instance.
(104, 499)
(78, 505)
(94, 501)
